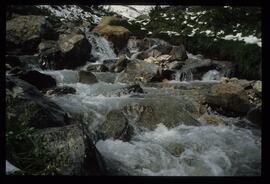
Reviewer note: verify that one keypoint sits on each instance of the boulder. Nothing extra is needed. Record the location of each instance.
(70, 51)
(116, 126)
(138, 70)
(258, 86)
(118, 35)
(120, 64)
(97, 68)
(40, 80)
(178, 53)
(70, 152)
(230, 98)
(61, 90)
(87, 77)
(75, 48)
(25, 105)
(136, 88)
(24, 33)
(148, 113)
(255, 115)
(175, 65)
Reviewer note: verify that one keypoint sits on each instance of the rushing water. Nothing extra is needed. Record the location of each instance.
(206, 150)
(101, 48)
(230, 148)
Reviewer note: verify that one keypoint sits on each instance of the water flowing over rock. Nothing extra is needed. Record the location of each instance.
(118, 35)
(147, 113)
(87, 77)
(70, 51)
(211, 75)
(101, 48)
(24, 33)
(120, 64)
(63, 90)
(116, 126)
(75, 47)
(97, 68)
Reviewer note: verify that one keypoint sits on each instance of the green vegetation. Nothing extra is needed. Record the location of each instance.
(218, 21)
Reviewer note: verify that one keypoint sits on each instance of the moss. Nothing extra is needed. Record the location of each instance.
(247, 57)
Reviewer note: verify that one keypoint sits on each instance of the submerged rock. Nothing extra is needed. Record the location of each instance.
(116, 126)
(120, 64)
(255, 115)
(148, 113)
(61, 90)
(87, 77)
(97, 68)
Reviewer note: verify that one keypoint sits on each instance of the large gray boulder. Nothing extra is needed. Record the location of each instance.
(70, 51)
(229, 98)
(25, 105)
(138, 70)
(148, 113)
(116, 126)
(24, 33)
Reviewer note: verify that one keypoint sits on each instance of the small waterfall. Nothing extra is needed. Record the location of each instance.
(185, 75)
(211, 75)
(133, 45)
(100, 47)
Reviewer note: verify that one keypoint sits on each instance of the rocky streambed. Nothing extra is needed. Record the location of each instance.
(99, 102)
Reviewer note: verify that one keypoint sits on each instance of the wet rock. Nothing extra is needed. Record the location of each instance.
(24, 33)
(16, 71)
(162, 46)
(24, 61)
(255, 115)
(137, 70)
(75, 48)
(258, 86)
(136, 88)
(118, 35)
(97, 68)
(70, 152)
(87, 77)
(175, 65)
(14, 61)
(211, 119)
(229, 97)
(120, 64)
(61, 90)
(178, 53)
(69, 52)
(25, 105)
(148, 113)
(175, 149)
(116, 126)
(41, 81)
